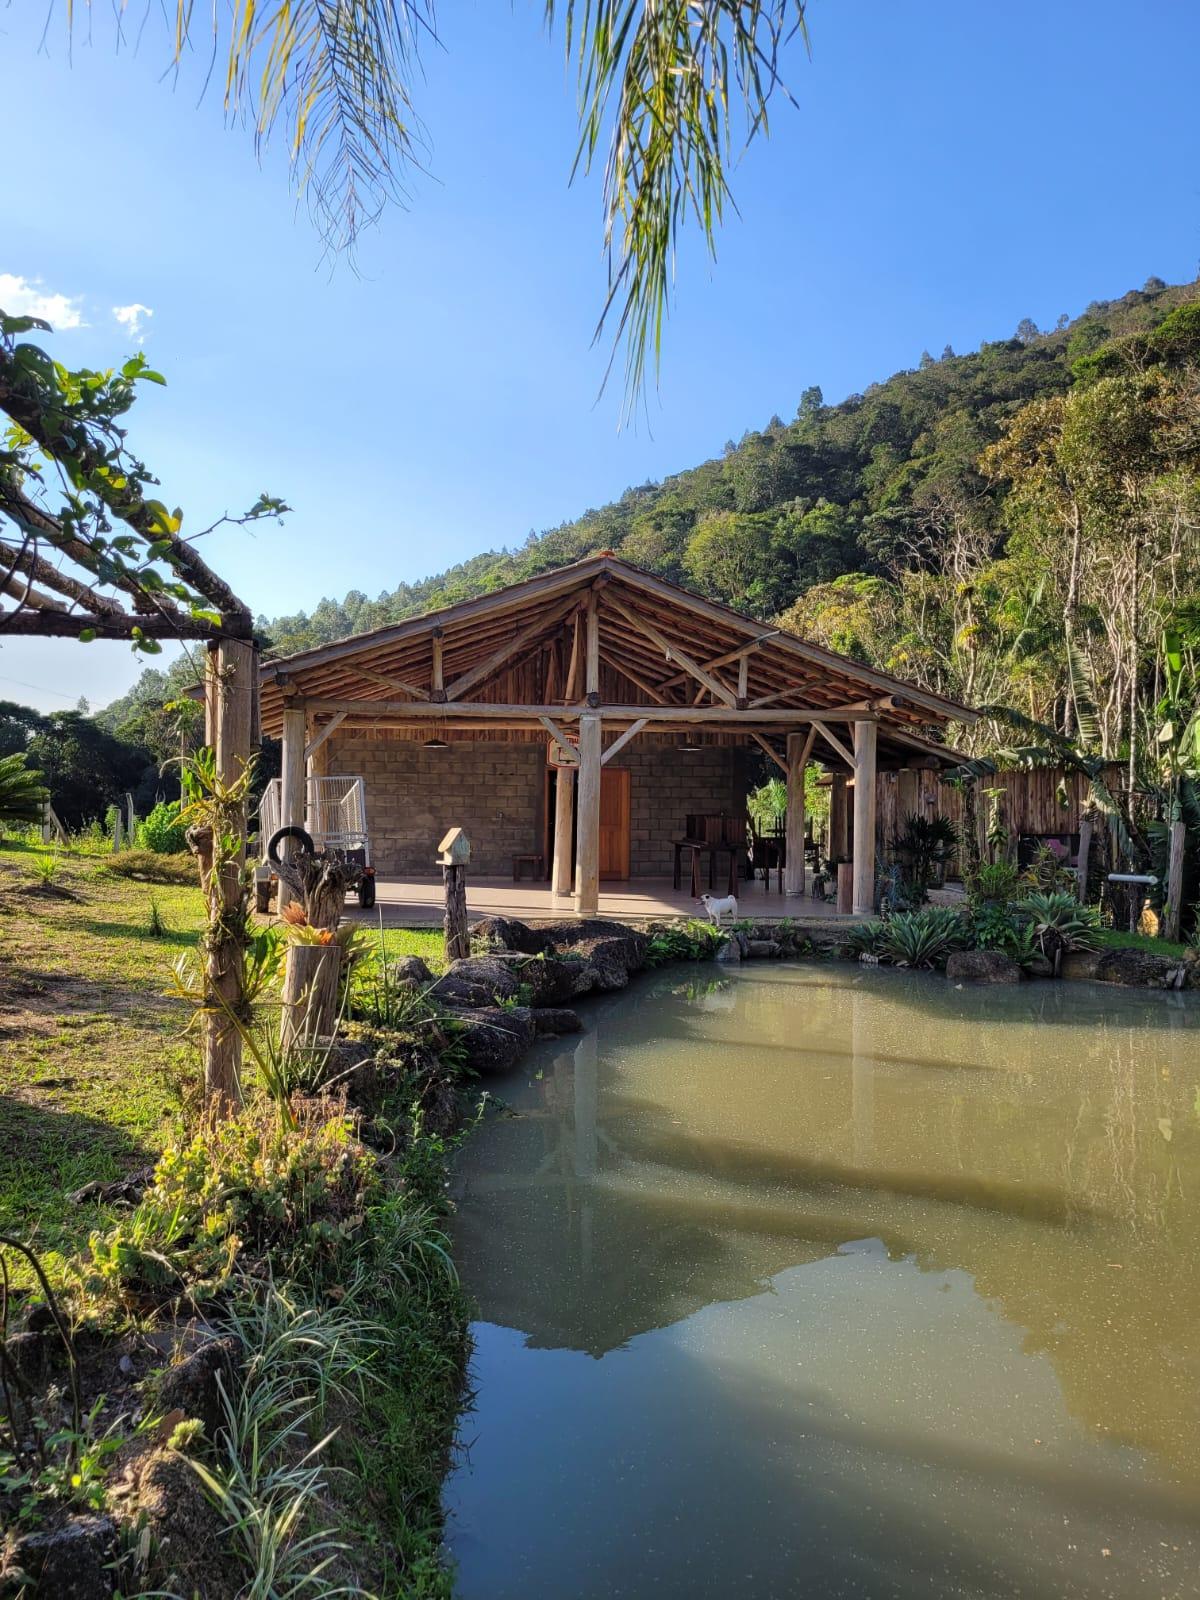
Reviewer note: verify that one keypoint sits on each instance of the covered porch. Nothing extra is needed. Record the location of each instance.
(420, 902)
(588, 722)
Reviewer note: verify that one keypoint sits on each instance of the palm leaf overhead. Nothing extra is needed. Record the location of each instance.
(662, 85)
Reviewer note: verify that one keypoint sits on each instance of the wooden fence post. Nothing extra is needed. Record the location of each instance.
(1175, 852)
(453, 854)
(232, 667)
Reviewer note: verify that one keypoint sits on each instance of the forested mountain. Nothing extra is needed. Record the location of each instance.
(975, 523)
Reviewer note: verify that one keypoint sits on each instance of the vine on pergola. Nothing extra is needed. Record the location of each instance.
(88, 552)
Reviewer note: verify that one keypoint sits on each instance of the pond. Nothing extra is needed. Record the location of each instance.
(832, 1281)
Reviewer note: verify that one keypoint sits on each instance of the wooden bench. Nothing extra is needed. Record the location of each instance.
(533, 861)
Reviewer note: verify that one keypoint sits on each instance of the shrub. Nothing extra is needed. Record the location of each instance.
(22, 793)
(924, 938)
(153, 868)
(162, 831)
(1059, 923)
(865, 940)
(993, 881)
(235, 1192)
(1048, 871)
(693, 940)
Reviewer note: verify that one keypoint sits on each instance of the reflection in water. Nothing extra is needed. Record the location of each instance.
(834, 1282)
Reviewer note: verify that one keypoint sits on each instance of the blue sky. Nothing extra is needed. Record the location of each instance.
(949, 170)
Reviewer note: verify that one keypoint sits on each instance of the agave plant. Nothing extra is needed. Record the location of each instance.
(1059, 923)
(865, 940)
(924, 938)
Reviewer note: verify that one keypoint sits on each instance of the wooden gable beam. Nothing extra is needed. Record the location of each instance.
(671, 651)
(505, 652)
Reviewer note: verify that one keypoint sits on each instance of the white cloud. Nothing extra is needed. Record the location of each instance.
(29, 297)
(132, 319)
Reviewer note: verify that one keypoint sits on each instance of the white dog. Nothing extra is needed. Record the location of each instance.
(716, 906)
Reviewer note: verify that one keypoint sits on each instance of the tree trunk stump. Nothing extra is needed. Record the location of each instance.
(454, 926)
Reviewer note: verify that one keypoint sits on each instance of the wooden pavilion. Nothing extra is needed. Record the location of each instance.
(545, 691)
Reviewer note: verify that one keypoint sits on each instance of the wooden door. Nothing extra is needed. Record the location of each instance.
(614, 822)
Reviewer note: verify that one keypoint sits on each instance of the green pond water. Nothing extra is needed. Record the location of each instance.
(826, 1281)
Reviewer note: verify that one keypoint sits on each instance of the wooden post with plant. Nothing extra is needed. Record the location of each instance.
(117, 567)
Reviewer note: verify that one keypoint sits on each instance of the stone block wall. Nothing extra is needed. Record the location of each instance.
(666, 784)
(493, 790)
(496, 791)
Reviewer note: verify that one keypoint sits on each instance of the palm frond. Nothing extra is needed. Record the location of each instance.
(1083, 695)
(661, 83)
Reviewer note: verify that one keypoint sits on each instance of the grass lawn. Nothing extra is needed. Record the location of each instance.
(1114, 939)
(95, 1066)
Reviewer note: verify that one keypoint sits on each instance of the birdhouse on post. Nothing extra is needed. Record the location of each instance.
(453, 854)
(455, 849)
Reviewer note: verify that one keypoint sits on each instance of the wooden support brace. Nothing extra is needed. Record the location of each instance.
(769, 748)
(631, 732)
(561, 740)
(318, 739)
(835, 743)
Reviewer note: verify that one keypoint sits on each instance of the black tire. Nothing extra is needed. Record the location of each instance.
(366, 893)
(304, 840)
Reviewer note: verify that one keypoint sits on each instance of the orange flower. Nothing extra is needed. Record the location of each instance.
(294, 913)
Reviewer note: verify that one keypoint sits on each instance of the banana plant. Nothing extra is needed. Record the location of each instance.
(1177, 759)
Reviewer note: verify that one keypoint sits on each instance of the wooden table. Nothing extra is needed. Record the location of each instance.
(712, 849)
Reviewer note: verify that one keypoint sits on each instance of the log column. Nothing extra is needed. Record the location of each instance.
(564, 827)
(232, 667)
(294, 769)
(864, 818)
(839, 818)
(587, 827)
(793, 868)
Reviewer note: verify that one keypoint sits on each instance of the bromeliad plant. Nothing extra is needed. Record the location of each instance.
(1059, 924)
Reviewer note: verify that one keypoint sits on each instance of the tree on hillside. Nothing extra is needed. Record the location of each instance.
(660, 89)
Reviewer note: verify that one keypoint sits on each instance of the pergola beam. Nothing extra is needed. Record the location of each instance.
(487, 710)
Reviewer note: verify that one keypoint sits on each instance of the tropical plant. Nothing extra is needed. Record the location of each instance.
(1048, 870)
(22, 794)
(767, 804)
(692, 940)
(924, 938)
(162, 831)
(992, 881)
(660, 91)
(925, 843)
(1060, 924)
(868, 939)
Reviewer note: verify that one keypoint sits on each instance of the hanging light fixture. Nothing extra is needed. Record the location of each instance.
(435, 740)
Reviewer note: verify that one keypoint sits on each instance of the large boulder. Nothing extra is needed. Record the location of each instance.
(494, 1038)
(1139, 969)
(982, 966)
(195, 1385)
(1082, 964)
(191, 1551)
(71, 1562)
(477, 981)
(610, 951)
(552, 980)
(730, 953)
(506, 933)
(411, 972)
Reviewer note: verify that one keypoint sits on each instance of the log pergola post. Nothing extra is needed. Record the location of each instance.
(864, 818)
(839, 818)
(799, 747)
(564, 828)
(587, 827)
(293, 784)
(232, 667)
